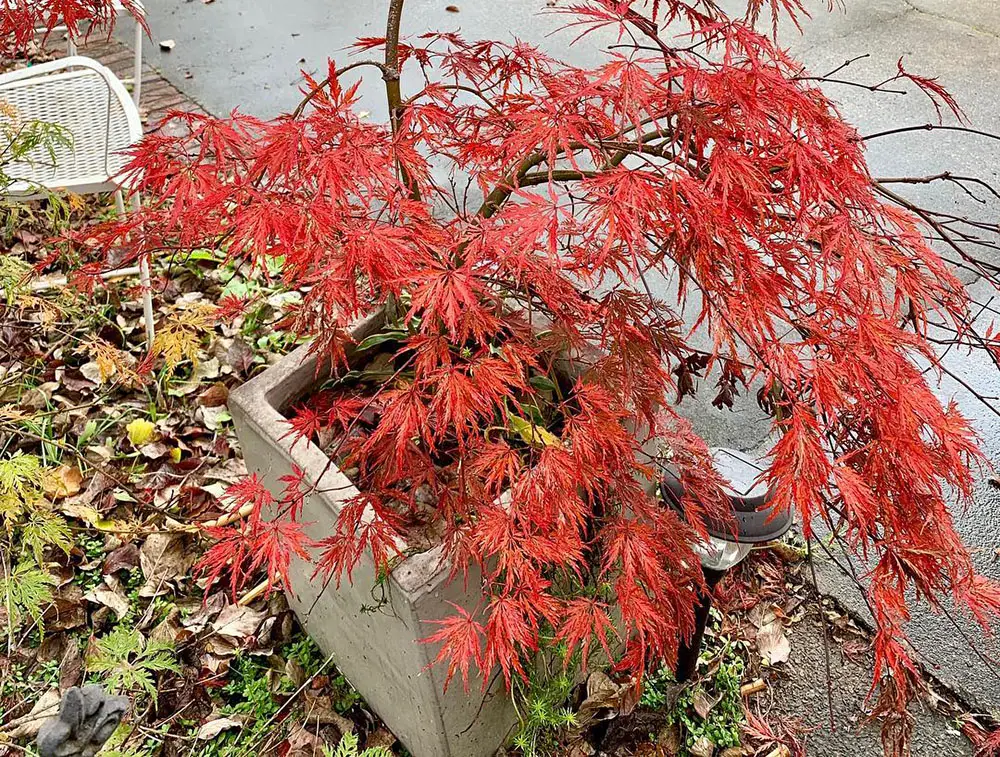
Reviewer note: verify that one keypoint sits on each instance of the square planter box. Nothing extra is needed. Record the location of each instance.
(377, 650)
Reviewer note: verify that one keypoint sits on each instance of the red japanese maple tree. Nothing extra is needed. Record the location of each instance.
(21, 21)
(698, 152)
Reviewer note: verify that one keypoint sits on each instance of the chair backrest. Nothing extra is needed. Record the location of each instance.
(135, 6)
(91, 104)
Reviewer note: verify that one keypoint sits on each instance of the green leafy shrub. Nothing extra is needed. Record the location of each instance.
(25, 591)
(29, 522)
(249, 689)
(656, 689)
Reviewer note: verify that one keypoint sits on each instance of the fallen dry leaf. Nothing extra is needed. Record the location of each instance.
(126, 557)
(27, 727)
(703, 703)
(381, 738)
(99, 484)
(213, 728)
(301, 743)
(760, 615)
(239, 356)
(703, 747)
(215, 396)
(92, 372)
(214, 664)
(237, 622)
(66, 611)
(773, 644)
(205, 611)
(213, 417)
(154, 450)
(64, 481)
(108, 597)
(70, 666)
(319, 711)
(91, 517)
(37, 398)
(164, 559)
(605, 700)
(206, 370)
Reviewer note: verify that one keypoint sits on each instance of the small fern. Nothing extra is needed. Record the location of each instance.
(180, 335)
(28, 525)
(543, 712)
(42, 528)
(21, 479)
(25, 515)
(348, 747)
(130, 662)
(14, 275)
(27, 142)
(25, 593)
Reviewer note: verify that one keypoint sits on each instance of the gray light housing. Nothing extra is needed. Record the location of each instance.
(754, 519)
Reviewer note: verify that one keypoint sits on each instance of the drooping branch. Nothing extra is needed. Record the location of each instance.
(929, 219)
(929, 127)
(320, 86)
(944, 176)
(502, 192)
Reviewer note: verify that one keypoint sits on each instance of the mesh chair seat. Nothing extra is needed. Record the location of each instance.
(92, 106)
(101, 121)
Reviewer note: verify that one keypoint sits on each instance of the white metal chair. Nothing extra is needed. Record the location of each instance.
(71, 50)
(93, 106)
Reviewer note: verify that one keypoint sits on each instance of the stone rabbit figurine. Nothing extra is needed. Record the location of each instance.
(87, 718)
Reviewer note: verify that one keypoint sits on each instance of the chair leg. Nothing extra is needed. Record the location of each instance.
(144, 277)
(137, 67)
(147, 299)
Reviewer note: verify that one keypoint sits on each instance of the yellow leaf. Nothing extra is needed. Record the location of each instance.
(111, 362)
(175, 455)
(140, 431)
(179, 335)
(93, 518)
(532, 434)
(76, 202)
(64, 481)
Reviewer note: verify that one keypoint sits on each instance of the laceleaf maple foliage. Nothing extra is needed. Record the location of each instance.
(21, 21)
(698, 153)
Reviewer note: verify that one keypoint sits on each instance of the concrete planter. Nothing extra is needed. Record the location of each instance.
(378, 651)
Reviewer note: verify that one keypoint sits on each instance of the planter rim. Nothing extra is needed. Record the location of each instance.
(276, 387)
